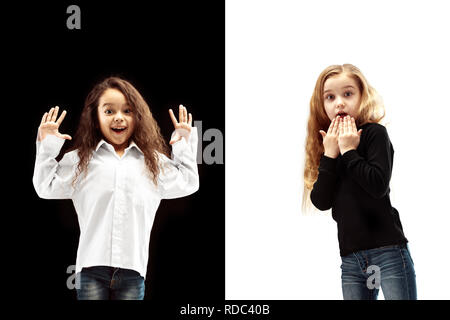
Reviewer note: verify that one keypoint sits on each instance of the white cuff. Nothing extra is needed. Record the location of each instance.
(51, 145)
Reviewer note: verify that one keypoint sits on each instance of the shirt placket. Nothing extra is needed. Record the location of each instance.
(118, 215)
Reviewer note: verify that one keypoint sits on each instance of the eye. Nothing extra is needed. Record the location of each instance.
(107, 111)
(328, 97)
(128, 111)
(349, 93)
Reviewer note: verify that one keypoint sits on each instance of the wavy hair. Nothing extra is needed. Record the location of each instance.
(371, 110)
(146, 134)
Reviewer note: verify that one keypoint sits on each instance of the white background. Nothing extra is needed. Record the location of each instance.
(275, 50)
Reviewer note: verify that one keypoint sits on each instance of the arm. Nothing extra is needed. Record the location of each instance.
(179, 175)
(323, 190)
(374, 173)
(53, 180)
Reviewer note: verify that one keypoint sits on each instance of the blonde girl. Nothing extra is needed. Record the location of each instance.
(348, 166)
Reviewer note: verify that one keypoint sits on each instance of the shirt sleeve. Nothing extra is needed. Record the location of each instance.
(323, 189)
(179, 175)
(53, 179)
(374, 173)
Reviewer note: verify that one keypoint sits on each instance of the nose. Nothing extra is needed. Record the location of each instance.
(118, 117)
(340, 106)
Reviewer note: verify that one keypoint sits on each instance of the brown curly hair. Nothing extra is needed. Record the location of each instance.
(146, 134)
(371, 109)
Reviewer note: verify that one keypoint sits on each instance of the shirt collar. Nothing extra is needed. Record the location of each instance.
(132, 144)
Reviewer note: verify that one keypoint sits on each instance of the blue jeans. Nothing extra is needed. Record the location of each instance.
(390, 268)
(109, 283)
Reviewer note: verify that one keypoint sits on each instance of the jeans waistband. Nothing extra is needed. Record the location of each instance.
(402, 246)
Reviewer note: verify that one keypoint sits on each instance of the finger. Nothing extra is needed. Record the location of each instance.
(190, 119)
(66, 136)
(61, 118)
(180, 113)
(172, 116)
(44, 117)
(337, 125)
(175, 138)
(184, 113)
(332, 124)
(360, 132)
(182, 119)
(354, 125)
(185, 116)
(55, 114)
(50, 114)
(322, 133)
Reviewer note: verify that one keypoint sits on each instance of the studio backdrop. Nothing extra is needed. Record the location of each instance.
(173, 53)
(275, 51)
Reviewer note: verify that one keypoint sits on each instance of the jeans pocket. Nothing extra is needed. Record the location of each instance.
(409, 254)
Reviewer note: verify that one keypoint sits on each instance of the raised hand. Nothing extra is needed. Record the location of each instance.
(330, 138)
(49, 125)
(349, 137)
(183, 126)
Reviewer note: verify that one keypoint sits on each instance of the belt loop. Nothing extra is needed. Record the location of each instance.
(112, 282)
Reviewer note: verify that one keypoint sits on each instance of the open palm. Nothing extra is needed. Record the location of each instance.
(183, 126)
(50, 126)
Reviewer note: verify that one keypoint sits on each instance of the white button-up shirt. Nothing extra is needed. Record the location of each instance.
(117, 200)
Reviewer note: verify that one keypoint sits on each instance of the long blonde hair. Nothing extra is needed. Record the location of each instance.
(371, 110)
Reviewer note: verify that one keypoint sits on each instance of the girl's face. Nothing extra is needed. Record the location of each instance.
(116, 118)
(341, 95)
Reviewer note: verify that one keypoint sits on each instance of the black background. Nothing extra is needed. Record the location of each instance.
(172, 52)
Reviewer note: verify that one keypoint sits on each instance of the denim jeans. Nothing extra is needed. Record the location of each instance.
(110, 283)
(390, 268)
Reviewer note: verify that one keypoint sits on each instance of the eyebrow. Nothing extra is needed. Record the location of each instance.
(341, 88)
(106, 104)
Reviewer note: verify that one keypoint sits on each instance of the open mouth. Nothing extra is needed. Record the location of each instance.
(119, 130)
(342, 115)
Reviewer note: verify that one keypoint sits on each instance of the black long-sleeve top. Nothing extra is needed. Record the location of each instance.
(356, 186)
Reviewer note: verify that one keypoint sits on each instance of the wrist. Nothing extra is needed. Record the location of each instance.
(330, 155)
(183, 133)
(345, 150)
